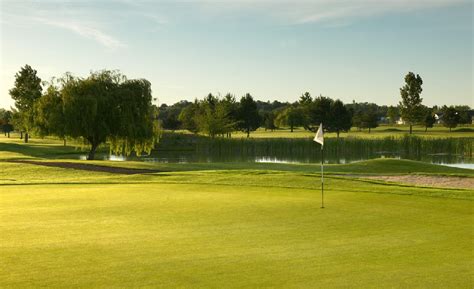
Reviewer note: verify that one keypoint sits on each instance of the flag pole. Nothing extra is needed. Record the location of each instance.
(319, 138)
(322, 176)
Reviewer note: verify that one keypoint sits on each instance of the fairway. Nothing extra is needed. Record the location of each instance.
(231, 228)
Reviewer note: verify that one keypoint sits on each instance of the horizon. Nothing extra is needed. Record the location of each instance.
(272, 50)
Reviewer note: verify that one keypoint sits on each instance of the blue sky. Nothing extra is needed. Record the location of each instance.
(352, 50)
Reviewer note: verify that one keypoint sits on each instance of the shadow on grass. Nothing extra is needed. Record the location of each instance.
(43, 151)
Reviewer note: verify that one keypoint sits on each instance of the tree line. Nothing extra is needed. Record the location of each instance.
(108, 107)
(216, 115)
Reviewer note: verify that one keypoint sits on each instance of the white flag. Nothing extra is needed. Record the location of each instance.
(319, 137)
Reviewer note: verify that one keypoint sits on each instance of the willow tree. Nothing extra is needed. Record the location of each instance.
(50, 118)
(107, 107)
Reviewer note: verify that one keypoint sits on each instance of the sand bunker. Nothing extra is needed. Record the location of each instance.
(431, 181)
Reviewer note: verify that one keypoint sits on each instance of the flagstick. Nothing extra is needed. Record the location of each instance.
(322, 177)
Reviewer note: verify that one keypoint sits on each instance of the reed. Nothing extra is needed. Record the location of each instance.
(342, 150)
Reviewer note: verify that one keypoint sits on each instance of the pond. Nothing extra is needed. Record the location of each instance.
(181, 148)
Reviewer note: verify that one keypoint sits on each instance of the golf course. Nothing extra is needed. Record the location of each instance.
(67, 223)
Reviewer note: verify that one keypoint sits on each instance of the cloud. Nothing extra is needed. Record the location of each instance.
(324, 11)
(81, 18)
(84, 30)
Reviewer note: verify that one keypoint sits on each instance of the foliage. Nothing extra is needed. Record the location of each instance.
(369, 120)
(429, 119)
(411, 109)
(50, 118)
(340, 118)
(393, 114)
(187, 117)
(247, 115)
(26, 91)
(6, 121)
(292, 116)
(269, 120)
(450, 117)
(107, 106)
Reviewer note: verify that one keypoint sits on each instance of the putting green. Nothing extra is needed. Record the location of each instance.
(229, 229)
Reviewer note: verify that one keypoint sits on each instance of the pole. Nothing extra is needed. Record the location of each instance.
(322, 177)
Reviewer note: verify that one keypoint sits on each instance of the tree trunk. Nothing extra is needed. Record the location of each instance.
(26, 137)
(64, 141)
(21, 134)
(8, 134)
(369, 129)
(91, 155)
(411, 128)
(426, 128)
(291, 128)
(449, 129)
(248, 133)
(337, 134)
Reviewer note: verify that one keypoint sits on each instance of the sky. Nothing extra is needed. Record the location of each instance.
(275, 50)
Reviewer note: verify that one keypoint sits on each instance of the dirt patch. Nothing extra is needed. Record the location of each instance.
(431, 181)
(87, 167)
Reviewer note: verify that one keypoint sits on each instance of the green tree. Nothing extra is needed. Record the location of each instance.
(247, 115)
(108, 107)
(320, 111)
(340, 118)
(464, 115)
(50, 118)
(369, 119)
(410, 106)
(212, 117)
(5, 121)
(357, 120)
(26, 91)
(292, 116)
(269, 120)
(393, 114)
(429, 119)
(450, 117)
(187, 117)
(230, 107)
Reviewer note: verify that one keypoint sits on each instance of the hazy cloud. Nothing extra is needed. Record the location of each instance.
(84, 30)
(324, 11)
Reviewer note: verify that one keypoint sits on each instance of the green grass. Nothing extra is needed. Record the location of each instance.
(229, 226)
(379, 132)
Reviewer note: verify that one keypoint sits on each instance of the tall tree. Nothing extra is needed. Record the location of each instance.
(269, 120)
(429, 118)
(5, 121)
(187, 117)
(230, 108)
(393, 114)
(291, 116)
(340, 118)
(357, 120)
(450, 117)
(248, 117)
(25, 93)
(369, 119)
(320, 112)
(410, 106)
(108, 107)
(50, 118)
